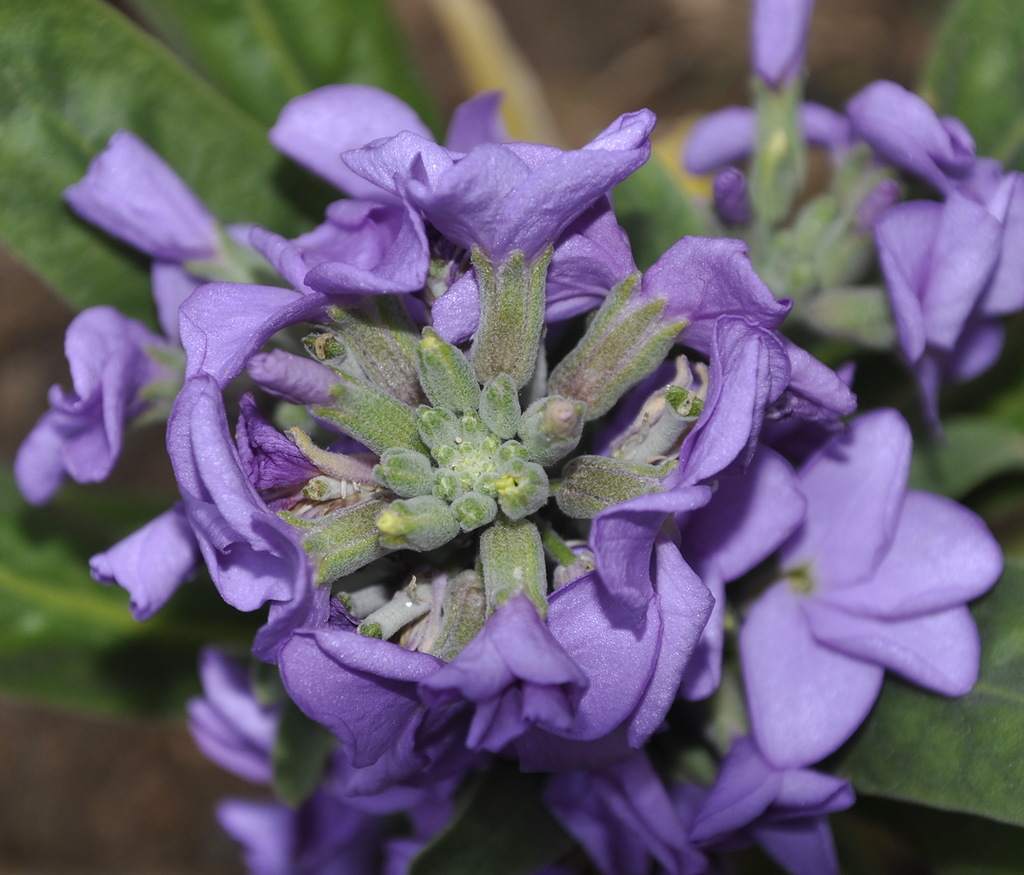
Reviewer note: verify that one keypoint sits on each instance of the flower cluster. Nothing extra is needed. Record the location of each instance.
(491, 483)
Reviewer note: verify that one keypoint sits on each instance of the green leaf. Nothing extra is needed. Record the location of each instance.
(976, 73)
(501, 827)
(72, 72)
(67, 640)
(300, 753)
(972, 450)
(655, 211)
(964, 754)
(947, 843)
(262, 53)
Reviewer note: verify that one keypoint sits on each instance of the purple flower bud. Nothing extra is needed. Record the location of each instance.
(732, 202)
(778, 38)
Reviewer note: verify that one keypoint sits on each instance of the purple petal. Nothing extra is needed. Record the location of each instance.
(172, 284)
(744, 789)
(855, 489)
(456, 313)
(942, 555)
(805, 699)
(228, 725)
(475, 121)
(315, 128)
(684, 603)
(801, 847)
(362, 689)
(296, 379)
(720, 138)
(904, 131)
(132, 193)
(703, 278)
(151, 563)
(939, 651)
(265, 830)
(730, 195)
(392, 163)
(224, 324)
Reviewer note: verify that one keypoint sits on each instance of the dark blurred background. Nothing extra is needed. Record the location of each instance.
(88, 795)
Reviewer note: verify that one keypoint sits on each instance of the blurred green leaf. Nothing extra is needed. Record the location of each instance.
(976, 72)
(67, 640)
(72, 72)
(262, 53)
(301, 750)
(972, 450)
(964, 754)
(655, 211)
(501, 827)
(952, 844)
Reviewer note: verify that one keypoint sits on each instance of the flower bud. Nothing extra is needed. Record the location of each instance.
(551, 428)
(445, 373)
(421, 523)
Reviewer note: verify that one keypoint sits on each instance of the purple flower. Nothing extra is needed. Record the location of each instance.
(151, 563)
(227, 723)
(504, 198)
(624, 819)
(876, 578)
(778, 37)
(130, 192)
(938, 259)
(904, 131)
(80, 436)
(515, 673)
(252, 555)
(783, 810)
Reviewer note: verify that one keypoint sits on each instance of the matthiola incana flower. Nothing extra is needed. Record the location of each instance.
(876, 578)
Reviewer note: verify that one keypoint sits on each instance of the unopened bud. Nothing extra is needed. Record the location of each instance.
(591, 484)
(421, 523)
(445, 373)
(499, 406)
(521, 489)
(551, 428)
(405, 472)
(474, 509)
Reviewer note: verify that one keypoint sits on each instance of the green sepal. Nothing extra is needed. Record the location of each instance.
(372, 417)
(499, 406)
(446, 374)
(382, 338)
(474, 509)
(301, 750)
(345, 540)
(405, 472)
(622, 346)
(513, 562)
(551, 428)
(512, 304)
(779, 165)
(462, 615)
(660, 426)
(421, 523)
(591, 484)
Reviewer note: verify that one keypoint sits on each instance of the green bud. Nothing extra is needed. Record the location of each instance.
(513, 562)
(421, 523)
(591, 484)
(372, 417)
(512, 302)
(499, 406)
(463, 614)
(405, 606)
(438, 427)
(382, 338)
(405, 472)
(661, 425)
(447, 484)
(621, 346)
(510, 450)
(445, 373)
(551, 428)
(521, 488)
(346, 540)
(474, 431)
(474, 510)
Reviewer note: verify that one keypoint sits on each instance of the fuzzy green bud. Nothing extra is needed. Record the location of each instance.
(513, 562)
(445, 373)
(405, 472)
(591, 484)
(551, 428)
(421, 523)
(499, 406)
(474, 509)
